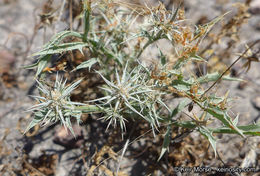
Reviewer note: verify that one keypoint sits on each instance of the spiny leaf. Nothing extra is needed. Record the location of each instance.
(37, 119)
(181, 85)
(196, 57)
(208, 134)
(253, 129)
(166, 141)
(204, 29)
(56, 49)
(185, 124)
(42, 63)
(235, 121)
(56, 39)
(87, 64)
(70, 88)
(174, 15)
(224, 118)
(162, 57)
(179, 108)
(216, 99)
(214, 77)
(31, 66)
(69, 125)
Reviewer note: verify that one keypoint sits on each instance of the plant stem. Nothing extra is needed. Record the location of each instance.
(230, 67)
(86, 18)
(89, 109)
(150, 41)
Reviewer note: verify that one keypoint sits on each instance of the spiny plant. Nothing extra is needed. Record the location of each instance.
(55, 104)
(132, 88)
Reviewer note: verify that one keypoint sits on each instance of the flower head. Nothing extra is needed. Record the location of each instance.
(54, 104)
(127, 97)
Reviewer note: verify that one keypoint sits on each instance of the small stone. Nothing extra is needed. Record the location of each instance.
(242, 85)
(256, 102)
(7, 59)
(66, 139)
(255, 7)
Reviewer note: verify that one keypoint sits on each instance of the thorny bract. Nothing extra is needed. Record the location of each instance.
(55, 105)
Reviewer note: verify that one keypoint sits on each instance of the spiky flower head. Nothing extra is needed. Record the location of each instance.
(126, 97)
(54, 104)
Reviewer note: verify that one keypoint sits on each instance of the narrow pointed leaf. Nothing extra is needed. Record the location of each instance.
(166, 141)
(64, 47)
(42, 64)
(87, 64)
(208, 134)
(214, 77)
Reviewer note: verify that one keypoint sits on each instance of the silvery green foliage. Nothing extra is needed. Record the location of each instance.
(129, 96)
(54, 105)
(132, 90)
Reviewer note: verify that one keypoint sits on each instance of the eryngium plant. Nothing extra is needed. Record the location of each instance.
(131, 88)
(55, 105)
